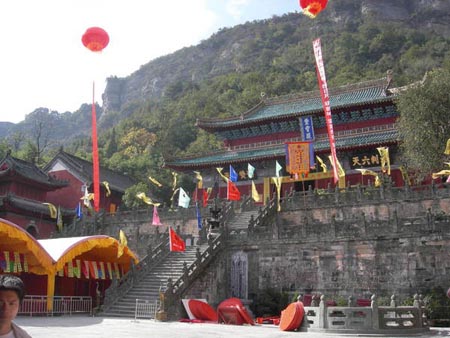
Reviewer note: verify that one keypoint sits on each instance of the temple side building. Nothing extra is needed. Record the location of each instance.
(24, 188)
(78, 173)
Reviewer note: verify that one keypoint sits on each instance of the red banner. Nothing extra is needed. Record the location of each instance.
(326, 103)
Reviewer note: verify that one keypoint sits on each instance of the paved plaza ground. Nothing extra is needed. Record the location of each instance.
(96, 327)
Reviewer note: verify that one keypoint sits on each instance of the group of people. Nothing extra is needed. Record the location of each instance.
(12, 292)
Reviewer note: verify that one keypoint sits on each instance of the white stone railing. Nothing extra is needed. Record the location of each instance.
(369, 319)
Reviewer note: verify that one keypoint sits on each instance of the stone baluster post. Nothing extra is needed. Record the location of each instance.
(374, 306)
(322, 313)
(393, 301)
(417, 305)
(350, 301)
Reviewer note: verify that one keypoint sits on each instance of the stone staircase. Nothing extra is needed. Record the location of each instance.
(242, 219)
(148, 288)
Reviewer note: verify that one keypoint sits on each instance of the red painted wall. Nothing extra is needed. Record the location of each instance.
(45, 227)
(67, 197)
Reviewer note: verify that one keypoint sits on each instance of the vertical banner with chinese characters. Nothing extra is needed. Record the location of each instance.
(297, 157)
(307, 129)
(325, 103)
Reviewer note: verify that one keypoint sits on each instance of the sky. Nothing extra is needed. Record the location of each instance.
(43, 62)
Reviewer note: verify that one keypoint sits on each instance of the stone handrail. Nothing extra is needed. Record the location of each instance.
(247, 203)
(358, 195)
(264, 214)
(369, 319)
(227, 212)
(176, 288)
(120, 287)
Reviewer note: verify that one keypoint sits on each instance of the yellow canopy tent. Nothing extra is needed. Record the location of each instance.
(15, 239)
(88, 248)
(46, 257)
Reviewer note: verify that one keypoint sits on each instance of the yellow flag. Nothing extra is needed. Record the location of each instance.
(255, 194)
(371, 173)
(87, 198)
(108, 191)
(341, 171)
(440, 173)
(323, 165)
(219, 170)
(173, 194)
(123, 242)
(52, 209)
(405, 175)
(155, 182)
(199, 178)
(277, 181)
(146, 199)
(385, 161)
(447, 148)
(174, 183)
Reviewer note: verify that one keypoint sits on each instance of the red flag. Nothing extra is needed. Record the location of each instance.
(176, 242)
(233, 193)
(205, 197)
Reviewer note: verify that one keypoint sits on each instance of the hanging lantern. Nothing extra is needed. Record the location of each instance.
(95, 39)
(313, 7)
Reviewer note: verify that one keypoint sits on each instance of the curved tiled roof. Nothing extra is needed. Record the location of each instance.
(308, 103)
(83, 168)
(29, 171)
(264, 153)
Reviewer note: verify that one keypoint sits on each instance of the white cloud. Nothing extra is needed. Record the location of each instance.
(236, 8)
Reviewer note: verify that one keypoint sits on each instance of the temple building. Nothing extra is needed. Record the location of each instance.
(78, 173)
(363, 115)
(24, 188)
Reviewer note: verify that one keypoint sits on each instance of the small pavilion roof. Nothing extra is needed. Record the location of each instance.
(309, 103)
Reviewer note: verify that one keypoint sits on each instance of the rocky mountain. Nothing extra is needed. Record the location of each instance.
(362, 39)
(227, 50)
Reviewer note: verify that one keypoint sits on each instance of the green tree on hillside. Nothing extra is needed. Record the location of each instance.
(424, 123)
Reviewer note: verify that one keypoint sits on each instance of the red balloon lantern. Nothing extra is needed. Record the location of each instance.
(313, 7)
(95, 39)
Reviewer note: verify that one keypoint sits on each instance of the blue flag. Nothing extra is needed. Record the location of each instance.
(199, 217)
(233, 174)
(78, 211)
